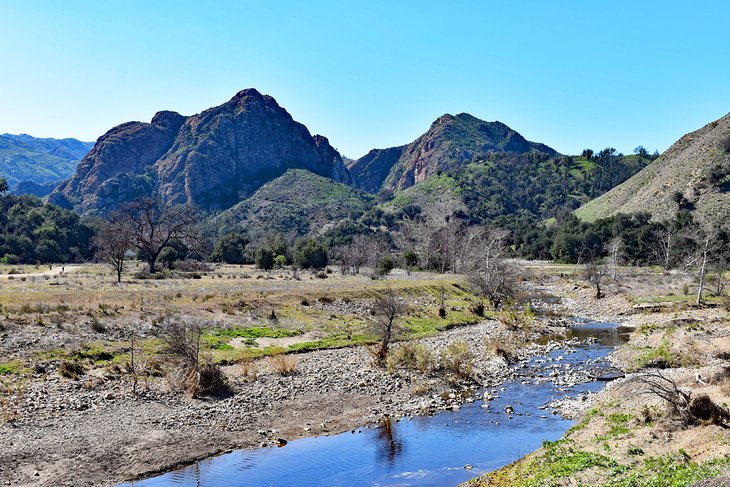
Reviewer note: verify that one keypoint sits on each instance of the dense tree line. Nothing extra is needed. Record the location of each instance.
(504, 185)
(33, 232)
(641, 240)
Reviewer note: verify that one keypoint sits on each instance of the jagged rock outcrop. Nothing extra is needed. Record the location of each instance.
(451, 141)
(105, 177)
(211, 160)
(370, 171)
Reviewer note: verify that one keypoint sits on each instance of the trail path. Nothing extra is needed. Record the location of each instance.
(50, 272)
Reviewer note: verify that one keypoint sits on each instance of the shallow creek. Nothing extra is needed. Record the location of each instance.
(444, 449)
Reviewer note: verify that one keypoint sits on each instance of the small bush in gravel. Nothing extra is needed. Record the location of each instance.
(282, 363)
(194, 373)
(411, 356)
(71, 370)
(97, 325)
(422, 389)
(502, 347)
(248, 369)
(458, 360)
(477, 309)
(516, 319)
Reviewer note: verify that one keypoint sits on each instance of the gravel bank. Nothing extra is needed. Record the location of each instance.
(94, 432)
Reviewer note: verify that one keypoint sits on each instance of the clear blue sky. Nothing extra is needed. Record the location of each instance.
(572, 74)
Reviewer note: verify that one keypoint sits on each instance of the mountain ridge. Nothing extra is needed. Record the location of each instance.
(450, 142)
(41, 160)
(693, 174)
(212, 160)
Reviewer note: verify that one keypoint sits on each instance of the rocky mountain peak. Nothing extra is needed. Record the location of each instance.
(451, 141)
(212, 160)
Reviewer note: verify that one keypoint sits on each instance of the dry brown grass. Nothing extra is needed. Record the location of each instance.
(458, 360)
(516, 318)
(11, 400)
(283, 364)
(504, 347)
(411, 356)
(249, 370)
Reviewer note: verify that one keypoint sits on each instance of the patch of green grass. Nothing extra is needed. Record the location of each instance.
(654, 356)
(331, 342)
(618, 424)
(95, 352)
(218, 338)
(419, 327)
(556, 460)
(675, 470)
(586, 419)
(9, 368)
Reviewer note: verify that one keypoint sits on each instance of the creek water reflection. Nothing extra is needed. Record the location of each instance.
(427, 450)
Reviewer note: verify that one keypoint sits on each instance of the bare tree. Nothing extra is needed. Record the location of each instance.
(387, 311)
(133, 365)
(663, 245)
(491, 273)
(595, 272)
(720, 267)
(155, 226)
(113, 241)
(704, 254)
(362, 251)
(615, 248)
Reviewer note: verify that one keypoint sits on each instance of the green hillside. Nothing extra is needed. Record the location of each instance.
(693, 175)
(504, 186)
(297, 201)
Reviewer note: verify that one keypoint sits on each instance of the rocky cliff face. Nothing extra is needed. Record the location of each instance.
(451, 141)
(211, 160)
(125, 153)
(370, 171)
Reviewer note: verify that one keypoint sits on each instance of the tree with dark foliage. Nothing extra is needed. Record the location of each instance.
(155, 226)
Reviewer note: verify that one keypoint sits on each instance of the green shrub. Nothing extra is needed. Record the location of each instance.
(384, 266)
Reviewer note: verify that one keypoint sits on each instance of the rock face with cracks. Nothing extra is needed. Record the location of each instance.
(211, 160)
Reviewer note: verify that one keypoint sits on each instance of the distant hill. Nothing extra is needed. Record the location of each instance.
(26, 158)
(503, 187)
(36, 189)
(451, 142)
(694, 174)
(212, 160)
(298, 201)
(438, 198)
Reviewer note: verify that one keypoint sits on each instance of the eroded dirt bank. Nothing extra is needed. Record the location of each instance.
(628, 434)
